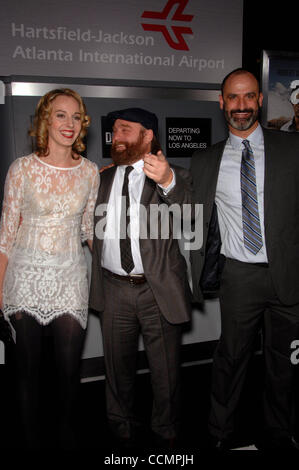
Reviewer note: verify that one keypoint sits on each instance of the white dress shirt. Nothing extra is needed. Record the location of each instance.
(111, 250)
(229, 200)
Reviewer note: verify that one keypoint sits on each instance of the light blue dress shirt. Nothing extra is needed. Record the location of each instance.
(229, 200)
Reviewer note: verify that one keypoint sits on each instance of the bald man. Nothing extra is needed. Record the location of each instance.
(249, 187)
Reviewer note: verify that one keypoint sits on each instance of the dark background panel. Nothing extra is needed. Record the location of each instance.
(268, 26)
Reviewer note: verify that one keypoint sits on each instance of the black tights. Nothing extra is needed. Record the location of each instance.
(68, 338)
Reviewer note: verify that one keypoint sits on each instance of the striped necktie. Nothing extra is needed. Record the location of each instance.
(250, 214)
(126, 257)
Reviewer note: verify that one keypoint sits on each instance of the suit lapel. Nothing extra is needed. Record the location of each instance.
(218, 152)
(148, 190)
(107, 178)
(106, 181)
(270, 152)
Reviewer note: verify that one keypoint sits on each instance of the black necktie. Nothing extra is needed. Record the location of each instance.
(250, 213)
(127, 262)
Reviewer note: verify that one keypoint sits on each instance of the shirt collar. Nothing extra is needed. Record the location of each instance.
(138, 166)
(256, 138)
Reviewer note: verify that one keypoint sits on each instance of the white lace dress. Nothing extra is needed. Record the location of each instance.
(47, 214)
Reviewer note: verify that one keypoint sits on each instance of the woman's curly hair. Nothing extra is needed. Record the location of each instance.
(43, 111)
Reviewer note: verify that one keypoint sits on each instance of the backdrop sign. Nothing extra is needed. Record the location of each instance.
(165, 40)
(106, 137)
(186, 135)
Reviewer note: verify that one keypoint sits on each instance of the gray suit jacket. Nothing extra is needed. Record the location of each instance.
(281, 208)
(164, 266)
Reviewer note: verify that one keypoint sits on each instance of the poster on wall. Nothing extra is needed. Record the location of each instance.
(166, 40)
(280, 87)
(186, 135)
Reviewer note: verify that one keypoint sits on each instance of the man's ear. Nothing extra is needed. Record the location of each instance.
(260, 99)
(221, 101)
(148, 136)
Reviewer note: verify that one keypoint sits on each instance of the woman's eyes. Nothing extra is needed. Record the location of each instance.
(77, 117)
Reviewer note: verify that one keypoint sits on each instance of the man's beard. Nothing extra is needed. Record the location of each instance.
(242, 124)
(131, 154)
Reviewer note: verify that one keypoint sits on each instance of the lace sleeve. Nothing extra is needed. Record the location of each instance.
(88, 215)
(12, 204)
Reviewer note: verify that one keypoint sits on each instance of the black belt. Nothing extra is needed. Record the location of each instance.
(132, 278)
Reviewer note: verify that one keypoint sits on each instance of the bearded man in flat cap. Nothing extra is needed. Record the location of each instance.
(139, 279)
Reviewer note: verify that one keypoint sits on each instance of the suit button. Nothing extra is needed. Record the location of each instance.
(201, 252)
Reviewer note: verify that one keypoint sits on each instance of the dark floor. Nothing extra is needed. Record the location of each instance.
(93, 433)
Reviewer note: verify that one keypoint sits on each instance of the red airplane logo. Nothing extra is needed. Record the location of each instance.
(180, 44)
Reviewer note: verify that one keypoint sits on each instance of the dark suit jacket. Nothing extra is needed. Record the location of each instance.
(281, 209)
(164, 266)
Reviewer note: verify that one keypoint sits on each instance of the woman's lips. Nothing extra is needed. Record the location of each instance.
(67, 134)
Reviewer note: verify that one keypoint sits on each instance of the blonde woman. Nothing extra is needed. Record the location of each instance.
(47, 213)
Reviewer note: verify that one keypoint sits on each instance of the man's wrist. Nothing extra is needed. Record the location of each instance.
(166, 187)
